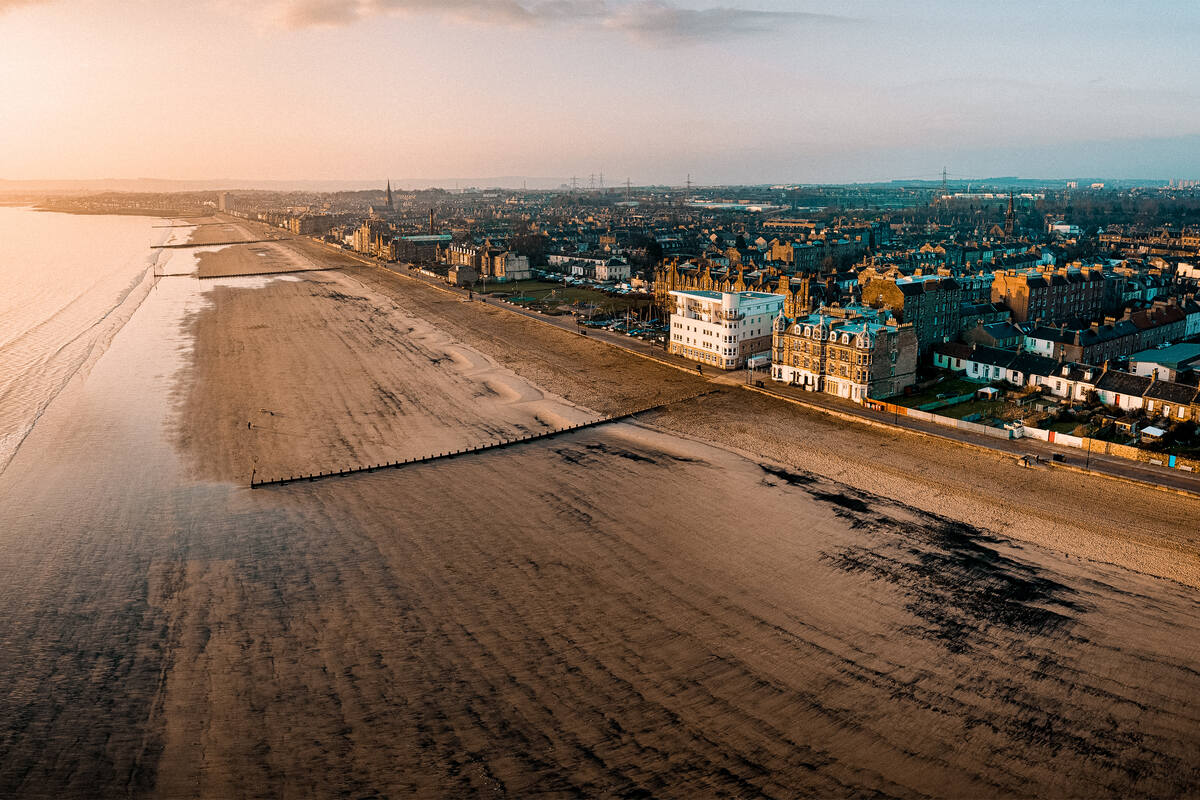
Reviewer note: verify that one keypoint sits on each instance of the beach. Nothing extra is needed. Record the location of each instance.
(729, 596)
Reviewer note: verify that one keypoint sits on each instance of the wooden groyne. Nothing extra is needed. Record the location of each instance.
(479, 448)
(212, 244)
(258, 274)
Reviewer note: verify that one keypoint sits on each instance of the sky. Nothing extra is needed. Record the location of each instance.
(728, 91)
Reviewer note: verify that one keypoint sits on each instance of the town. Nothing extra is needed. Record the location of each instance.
(1065, 311)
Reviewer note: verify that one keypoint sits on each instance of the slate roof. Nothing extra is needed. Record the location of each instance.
(1171, 392)
(1124, 383)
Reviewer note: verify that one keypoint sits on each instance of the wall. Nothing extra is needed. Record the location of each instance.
(1064, 440)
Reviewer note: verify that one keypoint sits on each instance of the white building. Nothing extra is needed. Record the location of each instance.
(509, 266)
(723, 328)
(612, 271)
(1064, 228)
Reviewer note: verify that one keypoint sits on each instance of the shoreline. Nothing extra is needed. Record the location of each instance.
(730, 595)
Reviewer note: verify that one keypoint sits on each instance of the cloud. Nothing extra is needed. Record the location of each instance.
(656, 20)
(644, 20)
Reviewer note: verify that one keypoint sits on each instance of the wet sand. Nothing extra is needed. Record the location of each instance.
(287, 255)
(728, 598)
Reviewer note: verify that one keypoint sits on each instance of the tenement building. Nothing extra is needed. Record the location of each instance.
(1051, 295)
(723, 329)
(851, 352)
(932, 304)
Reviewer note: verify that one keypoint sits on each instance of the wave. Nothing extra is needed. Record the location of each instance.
(41, 361)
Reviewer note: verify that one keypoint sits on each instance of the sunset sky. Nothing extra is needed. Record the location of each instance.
(755, 91)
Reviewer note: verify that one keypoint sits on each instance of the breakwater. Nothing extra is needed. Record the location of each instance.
(256, 483)
(211, 244)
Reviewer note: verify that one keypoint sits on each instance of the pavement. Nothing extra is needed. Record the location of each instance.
(1171, 480)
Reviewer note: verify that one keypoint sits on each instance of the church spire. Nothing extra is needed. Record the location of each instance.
(389, 194)
(1010, 218)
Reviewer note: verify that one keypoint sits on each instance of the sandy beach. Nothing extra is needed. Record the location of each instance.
(728, 597)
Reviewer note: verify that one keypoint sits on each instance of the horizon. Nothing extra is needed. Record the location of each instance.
(747, 93)
(518, 183)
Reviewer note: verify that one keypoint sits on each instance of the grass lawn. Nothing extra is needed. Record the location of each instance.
(985, 408)
(951, 387)
(547, 293)
(527, 288)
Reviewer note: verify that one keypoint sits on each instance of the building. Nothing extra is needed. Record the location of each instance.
(310, 224)
(373, 237)
(855, 353)
(612, 270)
(798, 291)
(1167, 363)
(932, 304)
(723, 329)
(462, 275)
(1063, 229)
(601, 267)
(421, 249)
(1051, 295)
(507, 266)
(987, 364)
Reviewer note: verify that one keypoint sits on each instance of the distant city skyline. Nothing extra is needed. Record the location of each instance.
(646, 90)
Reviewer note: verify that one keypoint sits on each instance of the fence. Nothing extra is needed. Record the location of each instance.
(948, 401)
(937, 419)
(1101, 447)
(1096, 446)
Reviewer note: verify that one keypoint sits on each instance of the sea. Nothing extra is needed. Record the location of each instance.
(70, 283)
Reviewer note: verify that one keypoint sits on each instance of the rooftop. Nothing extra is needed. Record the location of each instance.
(1171, 357)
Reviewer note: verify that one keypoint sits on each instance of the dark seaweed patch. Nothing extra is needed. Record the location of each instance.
(788, 477)
(842, 499)
(957, 583)
(594, 452)
(620, 453)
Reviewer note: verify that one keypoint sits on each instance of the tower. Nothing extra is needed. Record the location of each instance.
(1010, 218)
(431, 231)
(388, 204)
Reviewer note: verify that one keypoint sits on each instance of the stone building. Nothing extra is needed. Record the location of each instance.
(932, 304)
(1051, 295)
(800, 292)
(854, 352)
